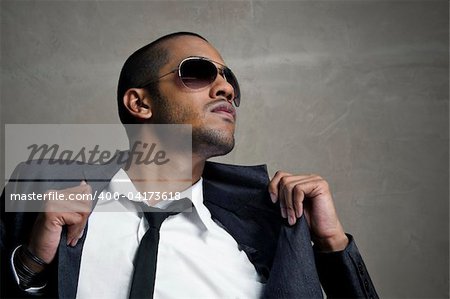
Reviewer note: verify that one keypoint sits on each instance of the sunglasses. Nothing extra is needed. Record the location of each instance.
(197, 72)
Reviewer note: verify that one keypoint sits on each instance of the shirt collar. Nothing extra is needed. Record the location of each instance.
(121, 184)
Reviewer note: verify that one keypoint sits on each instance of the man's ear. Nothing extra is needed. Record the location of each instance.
(137, 102)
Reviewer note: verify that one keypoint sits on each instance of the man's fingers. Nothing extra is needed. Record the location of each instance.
(291, 191)
(309, 195)
(68, 207)
(286, 197)
(82, 188)
(298, 197)
(273, 185)
(294, 195)
(74, 213)
(286, 183)
(76, 222)
(280, 189)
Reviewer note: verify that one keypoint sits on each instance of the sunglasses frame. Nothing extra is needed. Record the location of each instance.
(223, 71)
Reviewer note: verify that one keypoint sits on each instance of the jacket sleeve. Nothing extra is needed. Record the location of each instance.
(9, 287)
(343, 274)
(14, 231)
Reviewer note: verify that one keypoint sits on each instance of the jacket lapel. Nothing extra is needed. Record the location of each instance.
(69, 258)
(294, 274)
(237, 197)
(231, 187)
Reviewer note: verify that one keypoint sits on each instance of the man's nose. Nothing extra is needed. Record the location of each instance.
(220, 87)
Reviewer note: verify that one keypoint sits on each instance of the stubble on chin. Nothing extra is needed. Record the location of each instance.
(212, 143)
(206, 142)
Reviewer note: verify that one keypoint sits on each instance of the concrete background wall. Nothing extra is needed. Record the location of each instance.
(356, 91)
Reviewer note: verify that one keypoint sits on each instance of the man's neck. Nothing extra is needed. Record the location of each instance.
(178, 175)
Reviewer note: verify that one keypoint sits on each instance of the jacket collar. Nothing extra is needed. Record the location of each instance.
(225, 185)
(231, 186)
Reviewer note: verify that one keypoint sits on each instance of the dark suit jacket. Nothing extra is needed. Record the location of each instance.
(236, 196)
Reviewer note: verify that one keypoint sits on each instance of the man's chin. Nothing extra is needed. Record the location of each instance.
(212, 143)
(222, 150)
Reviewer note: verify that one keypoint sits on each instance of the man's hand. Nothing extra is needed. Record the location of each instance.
(46, 233)
(309, 194)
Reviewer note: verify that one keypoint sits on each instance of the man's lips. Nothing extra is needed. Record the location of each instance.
(225, 109)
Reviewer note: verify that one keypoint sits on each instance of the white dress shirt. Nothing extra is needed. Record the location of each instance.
(197, 258)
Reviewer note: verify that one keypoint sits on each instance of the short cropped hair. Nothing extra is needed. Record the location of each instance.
(143, 66)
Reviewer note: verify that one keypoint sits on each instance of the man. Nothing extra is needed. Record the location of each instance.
(245, 237)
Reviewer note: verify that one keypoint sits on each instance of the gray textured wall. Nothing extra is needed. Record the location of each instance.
(356, 91)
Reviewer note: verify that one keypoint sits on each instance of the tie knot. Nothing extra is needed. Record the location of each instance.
(155, 219)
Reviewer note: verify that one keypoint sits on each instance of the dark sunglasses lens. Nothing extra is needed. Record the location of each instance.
(197, 73)
(233, 82)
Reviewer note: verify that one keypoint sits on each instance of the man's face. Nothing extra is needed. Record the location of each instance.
(204, 108)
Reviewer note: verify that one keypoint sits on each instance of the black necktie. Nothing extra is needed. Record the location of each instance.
(143, 283)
